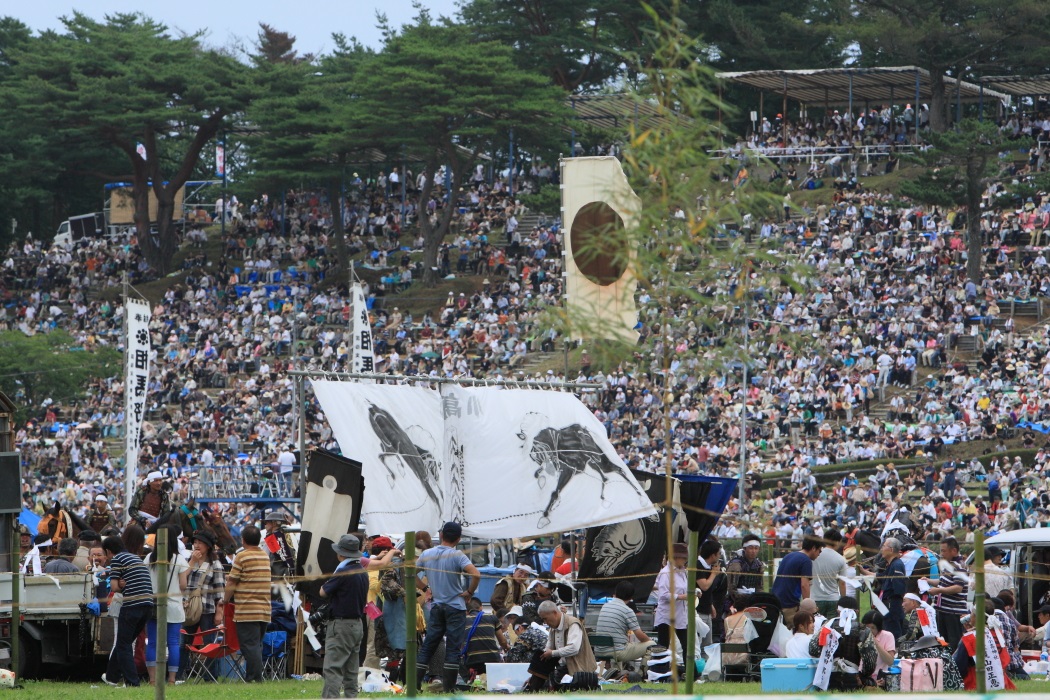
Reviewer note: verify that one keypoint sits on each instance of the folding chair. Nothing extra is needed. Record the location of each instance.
(275, 657)
(602, 640)
(219, 659)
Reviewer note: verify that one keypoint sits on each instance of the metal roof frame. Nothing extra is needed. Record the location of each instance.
(839, 86)
(1019, 85)
(616, 111)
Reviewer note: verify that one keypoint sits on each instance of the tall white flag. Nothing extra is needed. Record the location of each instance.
(136, 380)
(362, 357)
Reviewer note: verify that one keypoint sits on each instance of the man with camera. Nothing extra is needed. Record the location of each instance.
(347, 593)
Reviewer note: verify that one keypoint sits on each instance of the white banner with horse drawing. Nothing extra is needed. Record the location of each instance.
(513, 462)
(395, 432)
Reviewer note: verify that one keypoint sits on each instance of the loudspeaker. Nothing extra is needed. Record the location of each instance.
(10, 482)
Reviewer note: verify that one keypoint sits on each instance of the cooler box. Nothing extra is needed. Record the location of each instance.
(507, 677)
(788, 675)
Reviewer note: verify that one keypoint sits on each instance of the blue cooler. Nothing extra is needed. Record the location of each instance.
(788, 675)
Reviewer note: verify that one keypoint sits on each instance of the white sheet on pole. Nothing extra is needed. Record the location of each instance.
(535, 462)
(396, 434)
(136, 380)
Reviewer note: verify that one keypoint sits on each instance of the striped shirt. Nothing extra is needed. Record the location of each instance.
(615, 620)
(953, 603)
(250, 582)
(138, 586)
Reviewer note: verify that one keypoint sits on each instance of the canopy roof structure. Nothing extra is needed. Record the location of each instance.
(840, 86)
(1019, 85)
(615, 111)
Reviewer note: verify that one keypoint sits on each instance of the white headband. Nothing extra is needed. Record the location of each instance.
(912, 596)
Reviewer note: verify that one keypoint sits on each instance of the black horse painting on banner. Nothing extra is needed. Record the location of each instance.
(565, 453)
(632, 550)
(404, 450)
(333, 494)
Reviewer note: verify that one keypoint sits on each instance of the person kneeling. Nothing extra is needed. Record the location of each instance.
(568, 647)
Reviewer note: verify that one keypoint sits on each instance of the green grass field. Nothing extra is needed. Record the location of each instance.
(48, 690)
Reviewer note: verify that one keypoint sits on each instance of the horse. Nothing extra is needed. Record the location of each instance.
(566, 452)
(59, 523)
(399, 446)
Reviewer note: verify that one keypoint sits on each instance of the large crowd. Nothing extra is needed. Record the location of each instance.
(888, 297)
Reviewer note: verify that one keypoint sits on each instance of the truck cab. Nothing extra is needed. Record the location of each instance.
(1028, 560)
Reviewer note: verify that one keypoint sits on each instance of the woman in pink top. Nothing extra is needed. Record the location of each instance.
(885, 643)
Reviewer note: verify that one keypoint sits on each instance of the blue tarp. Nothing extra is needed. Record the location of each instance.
(29, 519)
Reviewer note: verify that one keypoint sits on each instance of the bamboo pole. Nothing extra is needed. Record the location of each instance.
(16, 594)
(161, 675)
(690, 587)
(978, 608)
(410, 614)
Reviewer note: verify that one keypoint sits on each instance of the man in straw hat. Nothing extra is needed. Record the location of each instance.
(347, 591)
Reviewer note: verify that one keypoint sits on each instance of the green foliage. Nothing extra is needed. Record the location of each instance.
(959, 165)
(690, 272)
(115, 84)
(50, 365)
(765, 34)
(579, 44)
(546, 201)
(449, 98)
(963, 36)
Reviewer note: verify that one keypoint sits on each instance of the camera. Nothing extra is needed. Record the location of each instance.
(321, 614)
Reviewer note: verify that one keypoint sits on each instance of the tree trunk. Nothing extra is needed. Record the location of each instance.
(433, 236)
(140, 197)
(342, 255)
(938, 101)
(975, 166)
(166, 242)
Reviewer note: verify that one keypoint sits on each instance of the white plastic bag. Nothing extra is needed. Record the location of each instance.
(713, 667)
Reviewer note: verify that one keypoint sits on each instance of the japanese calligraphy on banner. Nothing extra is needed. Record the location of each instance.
(136, 380)
(362, 356)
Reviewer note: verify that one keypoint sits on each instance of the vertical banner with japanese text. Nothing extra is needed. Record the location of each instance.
(362, 356)
(136, 380)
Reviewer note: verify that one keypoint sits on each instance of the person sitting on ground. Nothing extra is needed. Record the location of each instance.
(885, 643)
(567, 645)
(856, 647)
(920, 619)
(484, 641)
(798, 646)
(529, 638)
(540, 590)
(619, 621)
(509, 590)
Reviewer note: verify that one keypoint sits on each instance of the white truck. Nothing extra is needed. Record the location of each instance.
(57, 626)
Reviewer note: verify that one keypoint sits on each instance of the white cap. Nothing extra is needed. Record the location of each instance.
(153, 476)
(100, 497)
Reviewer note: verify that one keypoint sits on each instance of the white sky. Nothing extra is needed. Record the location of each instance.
(233, 22)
